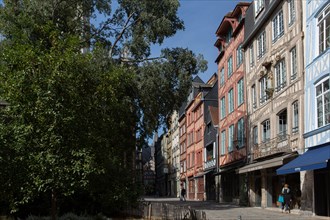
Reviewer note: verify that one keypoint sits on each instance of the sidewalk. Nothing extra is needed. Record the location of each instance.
(226, 211)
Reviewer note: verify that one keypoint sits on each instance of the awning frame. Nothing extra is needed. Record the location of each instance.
(313, 159)
(274, 162)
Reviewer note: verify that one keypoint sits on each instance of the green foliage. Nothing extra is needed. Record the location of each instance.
(65, 112)
(163, 85)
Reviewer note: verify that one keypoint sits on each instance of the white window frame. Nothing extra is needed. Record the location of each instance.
(239, 55)
(280, 75)
(240, 132)
(265, 130)
(295, 117)
(231, 138)
(231, 100)
(278, 26)
(294, 66)
(251, 56)
(223, 108)
(254, 96)
(261, 44)
(324, 24)
(223, 142)
(292, 11)
(255, 135)
(263, 83)
(230, 66)
(322, 99)
(259, 6)
(222, 76)
(283, 123)
(240, 92)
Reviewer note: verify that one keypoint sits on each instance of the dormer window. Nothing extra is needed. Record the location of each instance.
(229, 34)
(258, 6)
(239, 18)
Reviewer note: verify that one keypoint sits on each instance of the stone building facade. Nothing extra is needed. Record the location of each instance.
(274, 64)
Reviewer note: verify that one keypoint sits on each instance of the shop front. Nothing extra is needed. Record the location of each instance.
(264, 185)
(314, 163)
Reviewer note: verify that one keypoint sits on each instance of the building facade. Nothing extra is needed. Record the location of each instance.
(313, 163)
(211, 120)
(232, 103)
(183, 146)
(317, 96)
(274, 66)
(175, 152)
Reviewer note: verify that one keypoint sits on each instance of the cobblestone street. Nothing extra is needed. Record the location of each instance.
(223, 211)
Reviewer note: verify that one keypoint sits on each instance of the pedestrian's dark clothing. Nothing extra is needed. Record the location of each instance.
(287, 199)
(183, 194)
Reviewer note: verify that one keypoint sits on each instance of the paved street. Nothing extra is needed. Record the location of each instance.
(218, 211)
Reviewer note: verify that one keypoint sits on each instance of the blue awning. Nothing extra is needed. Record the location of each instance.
(315, 158)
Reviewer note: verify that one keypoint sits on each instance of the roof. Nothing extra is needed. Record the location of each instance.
(223, 27)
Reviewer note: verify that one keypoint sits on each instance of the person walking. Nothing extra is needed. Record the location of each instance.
(183, 194)
(287, 198)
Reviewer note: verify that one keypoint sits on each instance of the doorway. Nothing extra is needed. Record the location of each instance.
(322, 192)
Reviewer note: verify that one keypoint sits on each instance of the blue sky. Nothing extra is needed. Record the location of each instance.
(201, 19)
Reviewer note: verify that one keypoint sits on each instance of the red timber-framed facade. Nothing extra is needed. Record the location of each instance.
(191, 142)
(199, 125)
(232, 106)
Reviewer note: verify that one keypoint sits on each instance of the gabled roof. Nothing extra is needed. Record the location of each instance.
(230, 17)
(197, 79)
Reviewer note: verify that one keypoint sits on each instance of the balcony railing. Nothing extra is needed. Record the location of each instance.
(272, 146)
(209, 164)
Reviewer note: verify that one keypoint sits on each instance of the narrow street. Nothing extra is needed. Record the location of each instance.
(224, 211)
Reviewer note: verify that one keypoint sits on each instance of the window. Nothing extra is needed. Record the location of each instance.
(230, 66)
(261, 40)
(265, 130)
(230, 101)
(263, 89)
(223, 142)
(255, 135)
(259, 5)
(251, 55)
(230, 138)
(323, 102)
(240, 132)
(280, 76)
(295, 118)
(254, 96)
(229, 34)
(239, 55)
(324, 29)
(292, 11)
(282, 123)
(293, 56)
(278, 26)
(223, 108)
(222, 77)
(240, 92)
(208, 128)
(239, 19)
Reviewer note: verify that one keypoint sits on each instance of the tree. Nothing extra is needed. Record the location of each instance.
(80, 91)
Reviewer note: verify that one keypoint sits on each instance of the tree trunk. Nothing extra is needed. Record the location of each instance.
(54, 202)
